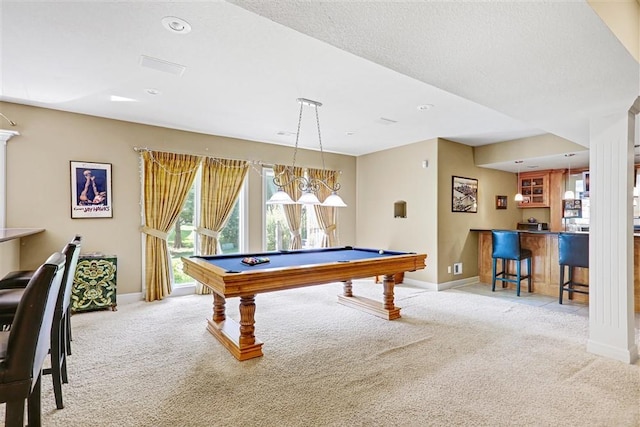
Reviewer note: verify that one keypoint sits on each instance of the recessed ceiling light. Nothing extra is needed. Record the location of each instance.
(152, 91)
(176, 25)
(350, 133)
(425, 107)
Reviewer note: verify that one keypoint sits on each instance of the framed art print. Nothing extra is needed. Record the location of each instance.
(91, 190)
(464, 194)
(572, 208)
(501, 202)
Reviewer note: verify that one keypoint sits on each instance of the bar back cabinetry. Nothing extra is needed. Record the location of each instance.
(534, 187)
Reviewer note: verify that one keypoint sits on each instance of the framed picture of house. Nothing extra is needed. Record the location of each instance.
(501, 202)
(91, 190)
(464, 194)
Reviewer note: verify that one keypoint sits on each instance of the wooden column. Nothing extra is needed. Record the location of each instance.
(555, 199)
(611, 317)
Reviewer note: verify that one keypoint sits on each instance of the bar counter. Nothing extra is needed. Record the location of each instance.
(7, 234)
(10, 247)
(544, 263)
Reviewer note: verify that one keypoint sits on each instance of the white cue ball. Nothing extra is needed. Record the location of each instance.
(380, 251)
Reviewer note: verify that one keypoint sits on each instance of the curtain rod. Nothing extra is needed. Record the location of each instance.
(143, 149)
(252, 162)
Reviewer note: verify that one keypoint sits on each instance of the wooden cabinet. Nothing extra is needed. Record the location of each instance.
(94, 283)
(534, 187)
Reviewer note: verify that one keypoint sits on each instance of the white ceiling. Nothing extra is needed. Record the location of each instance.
(493, 71)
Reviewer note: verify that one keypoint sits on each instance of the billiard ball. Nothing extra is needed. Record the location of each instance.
(380, 251)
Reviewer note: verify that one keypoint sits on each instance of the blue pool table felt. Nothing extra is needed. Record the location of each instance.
(281, 259)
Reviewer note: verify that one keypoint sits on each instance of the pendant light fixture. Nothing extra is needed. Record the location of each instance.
(568, 194)
(518, 197)
(308, 186)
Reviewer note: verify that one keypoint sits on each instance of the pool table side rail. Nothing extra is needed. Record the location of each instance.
(269, 280)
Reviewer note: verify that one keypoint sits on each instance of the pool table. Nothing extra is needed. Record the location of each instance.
(228, 277)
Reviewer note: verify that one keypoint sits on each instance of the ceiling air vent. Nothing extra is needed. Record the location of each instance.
(161, 65)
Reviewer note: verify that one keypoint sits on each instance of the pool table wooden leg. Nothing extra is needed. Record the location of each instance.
(237, 338)
(388, 284)
(347, 288)
(247, 320)
(218, 308)
(386, 309)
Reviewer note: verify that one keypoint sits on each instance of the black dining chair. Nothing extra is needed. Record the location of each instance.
(506, 246)
(61, 330)
(573, 251)
(24, 348)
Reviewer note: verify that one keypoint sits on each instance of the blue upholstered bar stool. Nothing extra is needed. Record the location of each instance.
(506, 246)
(573, 251)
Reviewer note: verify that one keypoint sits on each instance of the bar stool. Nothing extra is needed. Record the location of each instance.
(573, 251)
(24, 348)
(10, 296)
(506, 246)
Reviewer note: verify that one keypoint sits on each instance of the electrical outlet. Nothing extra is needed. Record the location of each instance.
(449, 269)
(457, 268)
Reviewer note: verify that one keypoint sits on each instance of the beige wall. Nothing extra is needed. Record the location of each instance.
(9, 256)
(386, 177)
(397, 174)
(540, 214)
(455, 242)
(38, 185)
(521, 149)
(38, 191)
(623, 18)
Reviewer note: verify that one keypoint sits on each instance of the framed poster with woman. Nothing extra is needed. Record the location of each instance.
(91, 190)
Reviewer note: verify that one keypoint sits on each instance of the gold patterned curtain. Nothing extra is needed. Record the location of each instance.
(220, 186)
(167, 180)
(292, 213)
(326, 215)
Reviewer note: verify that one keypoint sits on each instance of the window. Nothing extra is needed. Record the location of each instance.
(276, 230)
(183, 239)
(232, 237)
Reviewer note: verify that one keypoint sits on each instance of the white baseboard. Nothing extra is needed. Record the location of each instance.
(421, 284)
(129, 298)
(624, 355)
(441, 286)
(457, 283)
(177, 291)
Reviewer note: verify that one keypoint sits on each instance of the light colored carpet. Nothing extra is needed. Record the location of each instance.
(454, 358)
